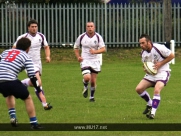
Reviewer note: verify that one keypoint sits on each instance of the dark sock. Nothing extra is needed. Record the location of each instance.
(92, 91)
(33, 121)
(85, 83)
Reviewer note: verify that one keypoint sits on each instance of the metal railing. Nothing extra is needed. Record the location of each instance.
(62, 23)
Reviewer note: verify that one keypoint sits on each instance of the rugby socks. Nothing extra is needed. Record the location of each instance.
(155, 103)
(12, 113)
(37, 94)
(85, 84)
(92, 89)
(146, 97)
(43, 103)
(26, 82)
(33, 121)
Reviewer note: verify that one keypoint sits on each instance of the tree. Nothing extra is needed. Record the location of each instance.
(167, 11)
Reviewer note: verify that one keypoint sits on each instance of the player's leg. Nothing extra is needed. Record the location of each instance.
(41, 95)
(86, 78)
(141, 90)
(20, 91)
(93, 86)
(95, 69)
(31, 112)
(5, 89)
(162, 79)
(156, 99)
(10, 102)
(85, 68)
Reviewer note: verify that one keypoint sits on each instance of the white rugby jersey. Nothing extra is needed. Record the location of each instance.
(158, 53)
(14, 61)
(37, 42)
(85, 42)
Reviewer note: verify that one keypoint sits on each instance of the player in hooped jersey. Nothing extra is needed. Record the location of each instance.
(38, 40)
(160, 56)
(12, 62)
(92, 45)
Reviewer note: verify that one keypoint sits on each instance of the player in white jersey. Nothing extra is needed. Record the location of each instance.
(38, 40)
(92, 45)
(12, 62)
(160, 56)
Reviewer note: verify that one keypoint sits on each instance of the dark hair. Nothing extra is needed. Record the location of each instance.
(148, 38)
(23, 44)
(33, 21)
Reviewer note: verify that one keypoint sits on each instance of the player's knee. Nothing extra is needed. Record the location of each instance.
(139, 90)
(86, 75)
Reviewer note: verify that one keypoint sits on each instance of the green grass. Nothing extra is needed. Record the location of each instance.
(116, 99)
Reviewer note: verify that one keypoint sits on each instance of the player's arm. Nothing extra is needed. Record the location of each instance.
(166, 60)
(32, 76)
(77, 54)
(101, 50)
(47, 53)
(77, 50)
(35, 83)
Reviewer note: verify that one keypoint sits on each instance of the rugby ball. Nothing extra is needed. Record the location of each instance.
(149, 66)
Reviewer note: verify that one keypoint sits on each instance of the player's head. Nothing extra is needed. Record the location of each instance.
(32, 26)
(145, 42)
(23, 44)
(90, 27)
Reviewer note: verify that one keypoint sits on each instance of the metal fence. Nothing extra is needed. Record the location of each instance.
(120, 25)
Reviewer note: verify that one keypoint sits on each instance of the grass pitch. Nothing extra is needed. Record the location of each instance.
(116, 99)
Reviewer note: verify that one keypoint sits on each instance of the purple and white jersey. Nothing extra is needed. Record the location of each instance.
(37, 42)
(158, 53)
(86, 43)
(14, 61)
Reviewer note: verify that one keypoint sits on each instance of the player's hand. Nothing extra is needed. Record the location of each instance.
(80, 59)
(92, 51)
(48, 59)
(157, 65)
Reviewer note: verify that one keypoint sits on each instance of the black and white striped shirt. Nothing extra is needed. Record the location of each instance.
(14, 61)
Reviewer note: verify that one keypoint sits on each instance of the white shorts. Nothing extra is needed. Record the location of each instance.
(93, 66)
(38, 67)
(161, 76)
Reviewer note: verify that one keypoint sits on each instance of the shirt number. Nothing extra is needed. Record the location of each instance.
(12, 55)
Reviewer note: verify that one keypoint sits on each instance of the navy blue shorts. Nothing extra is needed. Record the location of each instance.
(15, 88)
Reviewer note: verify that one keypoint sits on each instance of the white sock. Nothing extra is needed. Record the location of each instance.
(153, 111)
(44, 104)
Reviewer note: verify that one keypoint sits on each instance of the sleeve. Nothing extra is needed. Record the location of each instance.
(101, 42)
(164, 50)
(77, 43)
(45, 43)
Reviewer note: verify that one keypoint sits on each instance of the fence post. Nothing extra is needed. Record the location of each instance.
(172, 47)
